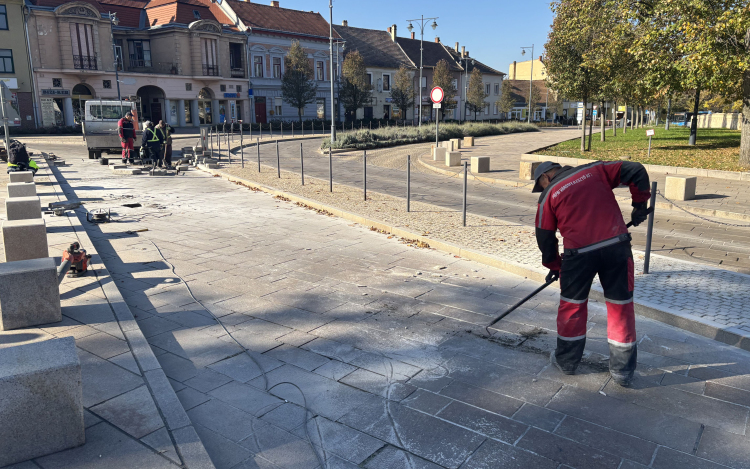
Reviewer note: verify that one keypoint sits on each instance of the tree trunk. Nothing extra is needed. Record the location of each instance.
(299, 114)
(602, 119)
(591, 125)
(614, 119)
(694, 123)
(583, 127)
(658, 115)
(632, 118)
(669, 110)
(745, 138)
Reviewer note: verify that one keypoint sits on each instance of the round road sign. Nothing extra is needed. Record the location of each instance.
(436, 95)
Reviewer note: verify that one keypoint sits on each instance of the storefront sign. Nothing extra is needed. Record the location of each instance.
(55, 92)
(48, 112)
(231, 95)
(12, 83)
(250, 92)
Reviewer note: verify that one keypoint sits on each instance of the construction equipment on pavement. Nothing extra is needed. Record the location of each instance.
(75, 262)
(99, 216)
(59, 208)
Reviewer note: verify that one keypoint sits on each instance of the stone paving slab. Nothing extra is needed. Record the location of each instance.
(459, 401)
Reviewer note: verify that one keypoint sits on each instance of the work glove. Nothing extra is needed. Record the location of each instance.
(123, 140)
(552, 276)
(639, 214)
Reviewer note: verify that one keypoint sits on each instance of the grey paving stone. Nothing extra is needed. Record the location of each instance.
(565, 451)
(281, 447)
(242, 368)
(488, 424)
(426, 401)
(90, 419)
(652, 425)
(426, 436)
(223, 419)
(667, 458)
(345, 442)
(207, 380)
(171, 409)
(190, 398)
(332, 349)
(729, 394)
(431, 380)
(604, 439)
(245, 397)
(177, 368)
(482, 398)
(725, 448)
(106, 447)
(539, 417)
(298, 357)
(126, 360)
(103, 380)
(224, 452)
(287, 416)
(334, 370)
(631, 465)
(378, 384)
(191, 449)
(259, 335)
(161, 442)
(296, 338)
(156, 325)
(134, 412)
(391, 457)
(493, 454)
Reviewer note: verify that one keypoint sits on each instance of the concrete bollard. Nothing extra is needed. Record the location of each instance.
(448, 145)
(25, 239)
(456, 143)
(439, 154)
(480, 164)
(453, 158)
(527, 169)
(21, 189)
(42, 411)
(127, 171)
(680, 187)
(21, 176)
(468, 141)
(29, 293)
(23, 208)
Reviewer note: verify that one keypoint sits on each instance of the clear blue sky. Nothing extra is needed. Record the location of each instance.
(492, 31)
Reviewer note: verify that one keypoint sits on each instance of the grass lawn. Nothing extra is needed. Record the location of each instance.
(715, 149)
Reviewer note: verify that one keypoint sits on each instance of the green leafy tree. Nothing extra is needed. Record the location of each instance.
(355, 91)
(443, 78)
(402, 91)
(475, 95)
(298, 89)
(505, 103)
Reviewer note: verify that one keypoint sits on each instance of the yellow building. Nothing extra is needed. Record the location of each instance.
(15, 69)
(521, 70)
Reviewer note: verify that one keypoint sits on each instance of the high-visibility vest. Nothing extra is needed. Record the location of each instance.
(153, 138)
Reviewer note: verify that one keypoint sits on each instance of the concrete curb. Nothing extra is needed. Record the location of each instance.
(188, 444)
(730, 336)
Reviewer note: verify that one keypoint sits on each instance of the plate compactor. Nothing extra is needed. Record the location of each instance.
(75, 262)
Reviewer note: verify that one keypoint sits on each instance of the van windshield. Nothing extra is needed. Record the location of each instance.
(105, 111)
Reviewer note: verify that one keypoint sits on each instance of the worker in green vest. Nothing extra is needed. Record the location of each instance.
(152, 142)
(165, 132)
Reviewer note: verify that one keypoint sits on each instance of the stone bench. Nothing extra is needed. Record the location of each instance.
(680, 187)
(29, 293)
(453, 158)
(23, 208)
(527, 169)
(25, 239)
(439, 154)
(126, 171)
(209, 160)
(21, 189)
(21, 176)
(480, 164)
(183, 168)
(456, 143)
(468, 141)
(42, 411)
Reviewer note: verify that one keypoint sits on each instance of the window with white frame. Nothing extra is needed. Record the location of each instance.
(497, 89)
(386, 82)
(258, 66)
(369, 79)
(487, 89)
(277, 102)
(320, 71)
(486, 109)
(209, 57)
(494, 109)
(276, 67)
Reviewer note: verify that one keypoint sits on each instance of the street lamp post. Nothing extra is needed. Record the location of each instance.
(531, 75)
(115, 21)
(422, 23)
(330, 54)
(466, 78)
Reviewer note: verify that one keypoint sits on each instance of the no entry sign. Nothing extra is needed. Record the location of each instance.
(436, 95)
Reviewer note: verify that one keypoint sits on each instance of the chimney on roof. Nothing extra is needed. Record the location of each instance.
(463, 51)
(467, 53)
(457, 48)
(392, 30)
(274, 3)
(344, 23)
(413, 34)
(437, 39)
(514, 71)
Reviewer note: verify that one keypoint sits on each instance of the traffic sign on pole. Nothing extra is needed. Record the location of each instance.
(437, 94)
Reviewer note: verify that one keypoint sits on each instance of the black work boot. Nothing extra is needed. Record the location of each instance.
(622, 363)
(568, 355)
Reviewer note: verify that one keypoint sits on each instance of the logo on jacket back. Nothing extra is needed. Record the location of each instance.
(571, 183)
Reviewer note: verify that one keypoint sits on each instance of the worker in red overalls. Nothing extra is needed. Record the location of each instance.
(580, 203)
(127, 135)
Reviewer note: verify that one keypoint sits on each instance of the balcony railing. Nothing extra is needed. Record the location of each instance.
(238, 73)
(84, 62)
(139, 63)
(162, 68)
(210, 70)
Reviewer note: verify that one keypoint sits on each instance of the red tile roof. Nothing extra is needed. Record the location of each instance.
(128, 11)
(162, 12)
(282, 20)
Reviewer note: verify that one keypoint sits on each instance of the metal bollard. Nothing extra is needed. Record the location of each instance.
(218, 142)
(292, 129)
(229, 151)
(282, 129)
(242, 148)
(270, 127)
(330, 170)
(257, 146)
(364, 172)
(466, 178)
(302, 163)
(211, 140)
(278, 160)
(650, 231)
(408, 183)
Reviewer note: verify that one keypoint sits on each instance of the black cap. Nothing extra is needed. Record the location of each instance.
(541, 169)
(128, 114)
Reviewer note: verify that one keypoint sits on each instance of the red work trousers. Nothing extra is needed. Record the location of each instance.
(127, 150)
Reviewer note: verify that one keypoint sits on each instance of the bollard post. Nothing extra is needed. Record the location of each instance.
(242, 148)
(211, 140)
(466, 178)
(257, 146)
(650, 231)
(278, 160)
(364, 172)
(330, 169)
(649, 146)
(302, 163)
(232, 130)
(292, 129)
(408, 183)
(251, 131)
(282, 129)
(218, 142)
(270, 127)
(229, 151)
